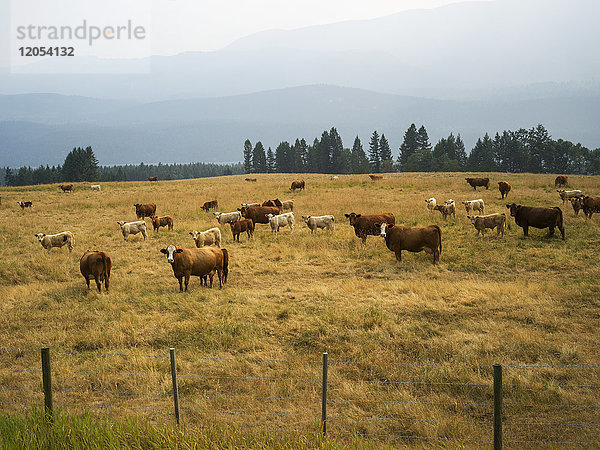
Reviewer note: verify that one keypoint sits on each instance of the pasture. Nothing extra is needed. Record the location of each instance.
(531, 303)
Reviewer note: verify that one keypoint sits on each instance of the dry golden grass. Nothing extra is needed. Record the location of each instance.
(516, 301)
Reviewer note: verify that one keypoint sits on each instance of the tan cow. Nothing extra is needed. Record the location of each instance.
(491, 221)
(206, 238)
(56, 240)
(166, 221)
(199, 262)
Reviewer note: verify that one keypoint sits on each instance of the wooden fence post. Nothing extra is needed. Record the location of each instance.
(47, 382)
(324, 395)
(175, 388)
(497, 407)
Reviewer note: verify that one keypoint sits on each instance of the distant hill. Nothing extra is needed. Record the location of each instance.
(38, 129)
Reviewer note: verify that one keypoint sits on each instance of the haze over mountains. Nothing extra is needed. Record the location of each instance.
(466, 68)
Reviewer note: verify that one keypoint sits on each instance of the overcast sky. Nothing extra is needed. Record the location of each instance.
(176, 26)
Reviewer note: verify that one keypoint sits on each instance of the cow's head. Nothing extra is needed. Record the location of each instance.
(352, 217)
(306, 218)
(269, 216)
(193, 234)
(121, 223)
(472, 219)
(217, 214)
(170, 251)
(39, 236)
(383, 227)
(137, 205)
(513, 207)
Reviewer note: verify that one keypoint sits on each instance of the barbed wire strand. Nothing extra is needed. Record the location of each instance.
(551, 442)
(554, 424)
(130, 374)
(549, 405)
(243, 397)
(101, 391)
(217, 377)
(404, 436)
(406, 402)
(405, 419)
(410, 382)
(595, 386)
(249, 413)
(137, 355)
(81, 405)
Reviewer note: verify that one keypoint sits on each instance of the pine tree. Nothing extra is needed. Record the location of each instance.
(323, 154)
(259, 159)
(9, 177)
(358, 159)
(538, 141)
(481, 158)
(270, 161)
(385, 154)
(410, 144)
(80, 165)
(336, 152)
(460, 152)
(374, 157)
(247, 156)
(283, 158)
(423, 139)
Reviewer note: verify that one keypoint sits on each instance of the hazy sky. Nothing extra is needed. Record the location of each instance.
(176, 26)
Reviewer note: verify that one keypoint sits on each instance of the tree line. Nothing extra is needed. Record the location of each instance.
(81, 165)
(523, 150)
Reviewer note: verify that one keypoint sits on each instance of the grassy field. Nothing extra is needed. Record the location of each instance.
(531, 304)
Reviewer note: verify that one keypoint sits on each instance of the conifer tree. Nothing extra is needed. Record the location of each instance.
(259, 159)
(271, 168)
(247, 156)
(374, 157)
(409, 145)
(385, 154)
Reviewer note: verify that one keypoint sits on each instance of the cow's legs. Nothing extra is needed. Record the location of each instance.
(220, 275)
(399, 255)
(525, 230)
(98, 285)
(550, 231)
(106, 283)
(144, 234)
(87, 281)
(211, 276)
(562, 232)
(180, 279)
(187, 281)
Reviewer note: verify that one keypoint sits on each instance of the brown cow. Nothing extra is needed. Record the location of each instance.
(258, 214)
(26, 204)
(66, 187)
(590, 205)
(474, 182)
(251, 179)
(166, 221)
(198, 262)
(96, 265)
(365, 225)
(504, 188)
(148, 210)
(413, 239)
(298, 184)
(537, 217)
(376, 177)
(152, 178)
(240, 226)
(577, 204)
(561, 181)
(213, 204)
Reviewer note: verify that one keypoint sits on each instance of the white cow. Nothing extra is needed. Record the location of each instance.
(281, 220)
(567, 195)
(314, 222)
(206, 238)
(431, 204)
(128, 228)
(56, 240)
(95, 187)
(474, 205)
(224, 218)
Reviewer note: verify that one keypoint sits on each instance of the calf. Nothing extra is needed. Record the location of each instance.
(166, 221)
(475, 182)
(66, 187)
(275, 202)
(281, 220)
(431, 204)
(213, 204)
(128, 228)
(224, 218)
(252, 180)
(199, 262)
(367, 225)
(240, 226)
(504, 188)
(298, 184)
(148, 210)
(474, 205)
(577, 204)
(287, 205)
(152, 178)
(537, 217)
(334, 178)
(206, 238)
(491, 221)
(590, 205)
(376, 177)
(412, 239)
(561, 181)
(96, 265)
(447, 210)
(315, 222)
(567, 195)
(95, 187)
(26, 204)
(56, 240)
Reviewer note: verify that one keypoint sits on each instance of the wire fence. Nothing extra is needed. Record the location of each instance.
(389, 401)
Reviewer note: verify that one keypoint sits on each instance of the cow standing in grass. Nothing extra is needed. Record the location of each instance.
(96, 265)
(199, 262)
(412, 239)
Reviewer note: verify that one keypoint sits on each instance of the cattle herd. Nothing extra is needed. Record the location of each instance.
(209, 258)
